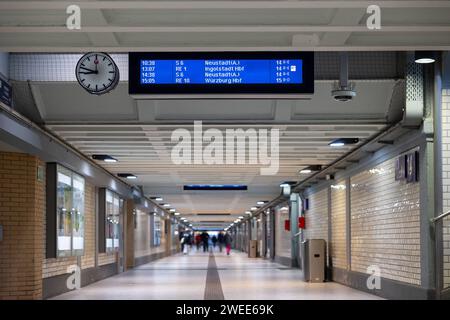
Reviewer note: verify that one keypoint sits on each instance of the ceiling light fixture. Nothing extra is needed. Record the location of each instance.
(166, 205)
(310, 169)
(261, 202)
(424, 57)
(104, 157)
(172, 210)
(248, 212)
(343, 142)
(126, 175)
(177, 213)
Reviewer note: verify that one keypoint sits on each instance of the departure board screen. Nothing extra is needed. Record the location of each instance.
(221, 73)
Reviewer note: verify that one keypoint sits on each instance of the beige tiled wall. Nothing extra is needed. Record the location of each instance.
(142, 236)
(88, 259)
(317, 216)
(22, 208)
(385, 224)
(338, 246)
(446, 181)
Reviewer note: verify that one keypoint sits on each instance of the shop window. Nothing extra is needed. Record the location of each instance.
(156, 227)
(110, 212)
(65, 212)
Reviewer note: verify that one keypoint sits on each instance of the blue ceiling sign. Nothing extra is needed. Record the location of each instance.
(206, 73)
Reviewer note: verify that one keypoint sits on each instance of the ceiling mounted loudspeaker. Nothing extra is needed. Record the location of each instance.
(343, 90)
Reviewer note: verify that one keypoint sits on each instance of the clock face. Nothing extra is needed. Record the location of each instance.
(97, 73)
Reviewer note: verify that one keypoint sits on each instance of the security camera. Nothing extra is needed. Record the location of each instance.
(343, 94)
(343, 90)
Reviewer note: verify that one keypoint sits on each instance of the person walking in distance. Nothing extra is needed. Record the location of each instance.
(214, 242)
(220, 240)
(205, 240)
(198, 241)
(228, 240)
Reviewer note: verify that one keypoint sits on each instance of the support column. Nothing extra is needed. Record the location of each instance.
(295, 204)
(130, 221)
(22, 211)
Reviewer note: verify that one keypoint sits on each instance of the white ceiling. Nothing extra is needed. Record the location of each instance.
(39, 26)
(138, 134)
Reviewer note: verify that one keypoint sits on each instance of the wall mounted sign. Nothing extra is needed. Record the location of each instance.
(412, 166)
(202, 74)
(400, 168)
(5, 92)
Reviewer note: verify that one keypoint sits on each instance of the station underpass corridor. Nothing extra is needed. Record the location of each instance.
(213, 276)
(301, 135)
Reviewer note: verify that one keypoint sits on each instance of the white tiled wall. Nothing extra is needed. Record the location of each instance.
(446, 181)
(338, 247)
(385, 224)
(54, 67)
(317, 216)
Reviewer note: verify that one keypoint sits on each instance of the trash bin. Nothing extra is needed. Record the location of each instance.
(253, 249)
(314, 260)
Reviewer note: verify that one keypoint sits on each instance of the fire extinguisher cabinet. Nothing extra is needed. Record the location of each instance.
(314, 260)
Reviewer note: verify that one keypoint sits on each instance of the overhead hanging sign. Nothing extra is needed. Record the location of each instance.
(5, 92)
(223, 74)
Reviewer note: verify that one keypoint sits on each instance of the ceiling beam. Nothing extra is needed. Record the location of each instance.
(183, 5)
(342, 17)
(82, 49)
(225, 29)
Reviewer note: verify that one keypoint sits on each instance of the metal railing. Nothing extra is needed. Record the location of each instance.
(440, 217)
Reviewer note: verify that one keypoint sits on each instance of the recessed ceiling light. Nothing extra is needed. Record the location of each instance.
(343, 141)
(166, 205)
(104, 157)
(254, 208)
(261, 202)
(157, 198)
(310, 169)
(424, 57)
(241, 217)
(172, 210)
(177, 213)
(126, 175)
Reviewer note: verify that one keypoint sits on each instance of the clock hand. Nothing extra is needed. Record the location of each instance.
(88, 72)
(94, 71)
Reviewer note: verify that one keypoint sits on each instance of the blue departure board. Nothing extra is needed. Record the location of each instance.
(221, 71)
(209, 73)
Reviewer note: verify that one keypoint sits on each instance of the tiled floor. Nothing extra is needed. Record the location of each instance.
(184, 277)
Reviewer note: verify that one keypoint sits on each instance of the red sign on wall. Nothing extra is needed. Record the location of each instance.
(287, 225)
(301, 222)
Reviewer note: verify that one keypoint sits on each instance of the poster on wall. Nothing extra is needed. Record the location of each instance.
(400, 168)
(412, 167)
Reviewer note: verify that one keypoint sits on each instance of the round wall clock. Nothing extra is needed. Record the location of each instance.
(97, 73)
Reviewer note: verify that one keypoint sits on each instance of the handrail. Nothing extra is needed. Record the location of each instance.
(440, 217)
